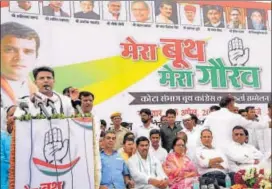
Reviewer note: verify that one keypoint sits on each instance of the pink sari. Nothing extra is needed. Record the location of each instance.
(181, 174)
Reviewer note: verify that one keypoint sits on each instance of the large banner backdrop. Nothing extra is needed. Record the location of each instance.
(150, 54)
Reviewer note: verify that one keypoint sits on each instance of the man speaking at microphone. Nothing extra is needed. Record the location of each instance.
(44, 78)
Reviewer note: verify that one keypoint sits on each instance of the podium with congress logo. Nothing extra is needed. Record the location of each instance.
(54, 154)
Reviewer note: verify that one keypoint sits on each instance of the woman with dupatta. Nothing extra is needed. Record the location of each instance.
(180, 170)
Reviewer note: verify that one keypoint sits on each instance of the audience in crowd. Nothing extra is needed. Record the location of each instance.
(180, 170)
(145, 169)
(222, 121)
(171, 155)
(155, 148)
(192, 134)
(118, 129)
(214, 108)
(211, 162)
(242, 112)
(114, 170)
(5, 155)
(103, 125)
(169, 132)
(128, 148)
(240, 154)
(146, 118)
(163, 120)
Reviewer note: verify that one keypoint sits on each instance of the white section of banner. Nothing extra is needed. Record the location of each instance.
(41, 146)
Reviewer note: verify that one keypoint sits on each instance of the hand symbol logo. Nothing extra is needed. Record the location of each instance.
(238, 55)
(55, 148)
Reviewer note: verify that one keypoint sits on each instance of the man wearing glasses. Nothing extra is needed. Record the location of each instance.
(240, 154)
(222, 122)
(114, 172)
(193, 136)
(211, 162)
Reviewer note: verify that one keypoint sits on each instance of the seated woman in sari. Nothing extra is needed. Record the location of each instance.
(180, 170)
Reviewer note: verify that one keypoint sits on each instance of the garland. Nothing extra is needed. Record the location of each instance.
(96, 157)
(12, 160)
(28, 117)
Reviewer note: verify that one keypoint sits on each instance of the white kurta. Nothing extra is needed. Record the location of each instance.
(242, 156)
(222, 122)
(203, 156)
(142, 170)
(263, 137)
(160, 153)
(192, 143)
(143, 131)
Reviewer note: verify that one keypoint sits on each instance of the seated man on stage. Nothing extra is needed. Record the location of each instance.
(145, 169)
(45, 79)
(242, 155)
(211, 162)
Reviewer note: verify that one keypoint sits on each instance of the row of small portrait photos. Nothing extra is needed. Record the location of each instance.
(159, 11)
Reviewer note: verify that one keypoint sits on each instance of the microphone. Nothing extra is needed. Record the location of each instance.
(24, 106)
(76, 104)
(47, 87)
(52, 105)
(38, 101)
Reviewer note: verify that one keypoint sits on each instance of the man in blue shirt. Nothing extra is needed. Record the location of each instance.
(114, 172)
(4, 162)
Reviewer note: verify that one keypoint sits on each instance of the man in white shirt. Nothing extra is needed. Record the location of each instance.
(221, 123)
(144, 130)
(166, 10)
(211, 162)
(190, 15)
(253, 139)
(265, 135)
(44, 80)
(114, 11)
(19, 52)
(25, 7)
(141, 11)
(145, 169)
(155, 148)
(240, 154)
(192, 135)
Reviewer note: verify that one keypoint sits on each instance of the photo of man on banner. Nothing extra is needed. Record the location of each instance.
(19, 51)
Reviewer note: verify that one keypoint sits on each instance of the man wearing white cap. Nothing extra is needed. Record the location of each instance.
(192, 134)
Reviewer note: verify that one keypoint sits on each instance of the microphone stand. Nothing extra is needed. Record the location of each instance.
(61, 104)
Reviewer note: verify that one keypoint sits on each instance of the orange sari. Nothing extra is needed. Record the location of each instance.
(181, 174)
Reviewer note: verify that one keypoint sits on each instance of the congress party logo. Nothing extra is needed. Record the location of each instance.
(55, 152)
(238, 55)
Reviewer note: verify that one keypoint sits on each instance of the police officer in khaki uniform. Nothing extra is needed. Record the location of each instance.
(118, 129)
